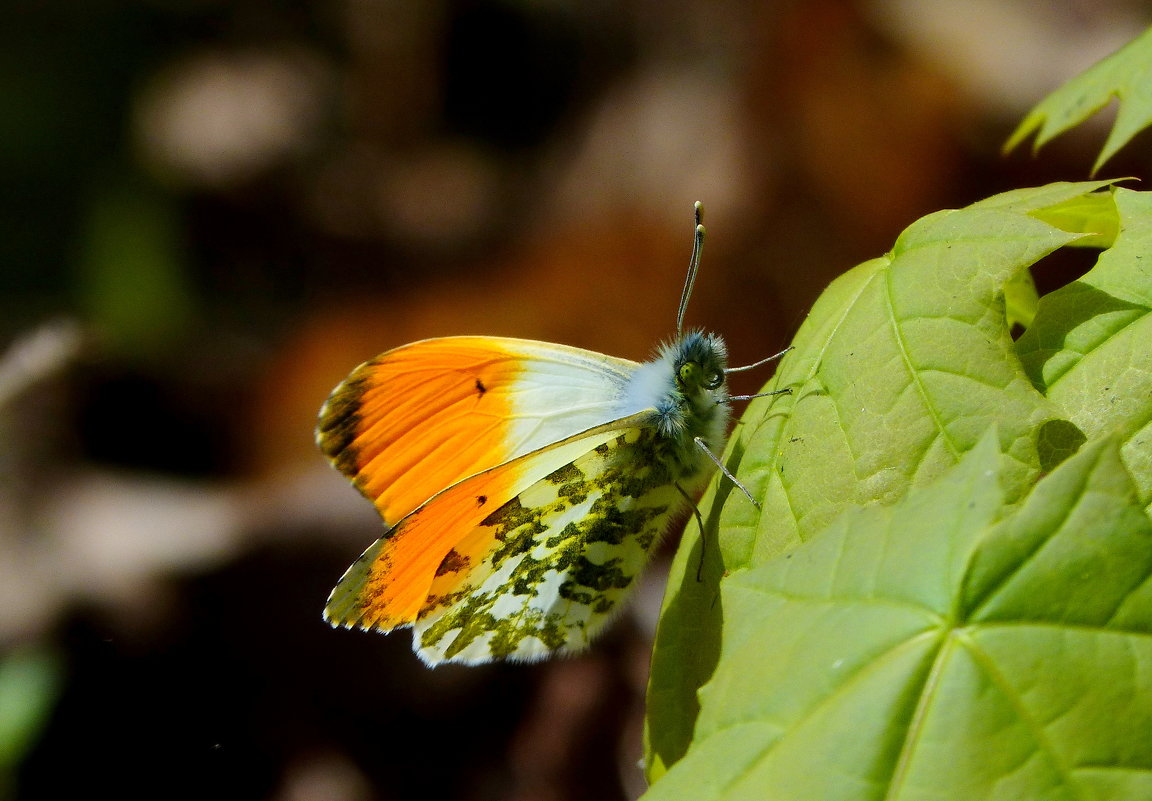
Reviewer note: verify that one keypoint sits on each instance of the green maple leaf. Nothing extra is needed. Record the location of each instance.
(949, 646)
(902, 365)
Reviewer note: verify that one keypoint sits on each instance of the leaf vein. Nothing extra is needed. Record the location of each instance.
(988, 665)
(913, 373)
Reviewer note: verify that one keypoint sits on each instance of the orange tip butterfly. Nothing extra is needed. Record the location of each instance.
(522, 484)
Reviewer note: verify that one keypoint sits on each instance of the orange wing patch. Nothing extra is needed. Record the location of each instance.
(387, 587)
(419, 418)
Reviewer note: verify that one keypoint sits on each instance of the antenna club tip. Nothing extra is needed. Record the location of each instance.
(699, 229)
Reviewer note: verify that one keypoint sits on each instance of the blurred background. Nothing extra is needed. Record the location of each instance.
(212, 211)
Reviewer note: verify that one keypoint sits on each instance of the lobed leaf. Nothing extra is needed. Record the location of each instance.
(952, 645)
(1125, 75)
(1088, 348)
(902, 365)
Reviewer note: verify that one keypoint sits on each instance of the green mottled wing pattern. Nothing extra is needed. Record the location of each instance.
(564, 555)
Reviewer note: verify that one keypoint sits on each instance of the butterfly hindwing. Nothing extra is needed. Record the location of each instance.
(562, 555)
(388, 586)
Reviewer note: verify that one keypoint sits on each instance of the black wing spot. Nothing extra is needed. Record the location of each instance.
(480, 388)
(481, 500)
(454, 562)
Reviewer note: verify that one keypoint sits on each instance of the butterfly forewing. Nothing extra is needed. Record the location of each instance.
(421, 417)
(561, 557)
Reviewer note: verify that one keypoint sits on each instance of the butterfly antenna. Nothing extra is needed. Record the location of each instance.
(693, 266)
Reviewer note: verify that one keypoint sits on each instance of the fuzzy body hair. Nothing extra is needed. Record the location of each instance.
(684, 409)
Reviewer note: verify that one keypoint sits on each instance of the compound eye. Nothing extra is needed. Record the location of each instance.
(687, 370)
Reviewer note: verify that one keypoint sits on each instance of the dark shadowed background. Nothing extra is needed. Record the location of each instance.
(211, 211)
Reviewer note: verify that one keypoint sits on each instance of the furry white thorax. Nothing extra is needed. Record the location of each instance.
(683, 410)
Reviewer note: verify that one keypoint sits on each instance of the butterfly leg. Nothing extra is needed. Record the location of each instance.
(760, 363)
(716, 461)
(703, 533)
(785, 391)
(753, 366)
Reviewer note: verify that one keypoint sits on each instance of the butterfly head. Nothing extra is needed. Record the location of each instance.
(699, 360)
(686, 386)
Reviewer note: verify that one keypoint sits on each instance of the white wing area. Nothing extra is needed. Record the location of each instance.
(562, 391)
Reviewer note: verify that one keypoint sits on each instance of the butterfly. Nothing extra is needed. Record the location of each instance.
(522, 484)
